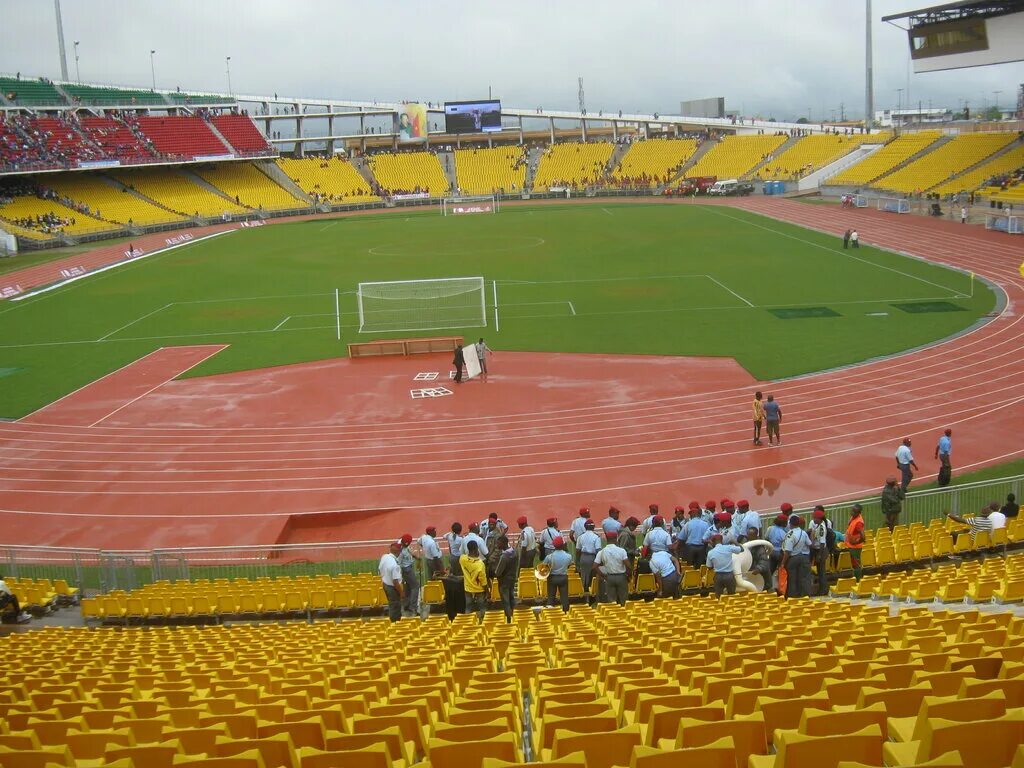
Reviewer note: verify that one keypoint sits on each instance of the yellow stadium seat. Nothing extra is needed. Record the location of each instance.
(797, 750)
(981, 743)
(471, 754)
(717, 754)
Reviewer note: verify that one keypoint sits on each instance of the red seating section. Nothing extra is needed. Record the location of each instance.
(116, 139)
(241, 132)
(62, 140)
(184, 137)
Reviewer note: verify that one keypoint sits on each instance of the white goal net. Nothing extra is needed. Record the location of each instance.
(422, 305)
(894, 204)
(1002, 222)
(457, 206)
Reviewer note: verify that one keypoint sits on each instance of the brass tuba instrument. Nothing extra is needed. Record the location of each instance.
(542, 571)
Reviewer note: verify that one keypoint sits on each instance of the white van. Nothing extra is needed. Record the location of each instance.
(724, 187)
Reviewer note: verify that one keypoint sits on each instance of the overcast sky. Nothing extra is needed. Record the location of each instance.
(777, 57)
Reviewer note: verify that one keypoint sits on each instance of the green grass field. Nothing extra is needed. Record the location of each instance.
(646, 279)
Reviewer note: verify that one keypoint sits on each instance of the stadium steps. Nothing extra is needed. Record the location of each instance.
(273, 171)
(195, 178)
(118, 185)
(447, 161)
(813, 181)
(360, 164)
(220, 136)
(785, 147)
(64, 94)
(1013, 145)
(532, 161)
(617, 154)
(702, 150)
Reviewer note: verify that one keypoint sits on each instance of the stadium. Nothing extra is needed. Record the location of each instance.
(414, 432)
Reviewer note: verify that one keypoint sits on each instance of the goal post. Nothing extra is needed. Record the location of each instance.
(894, 204)
(422, 305)
(1002, 222)
(860, 201)
(464, 204)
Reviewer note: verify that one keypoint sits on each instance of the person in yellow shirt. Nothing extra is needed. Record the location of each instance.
(758, 417)
(475, 578)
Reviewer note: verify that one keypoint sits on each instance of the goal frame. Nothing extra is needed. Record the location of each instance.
(1014, 224)
(899, 204)
(860, 201)
(448, 204)
(479, 321)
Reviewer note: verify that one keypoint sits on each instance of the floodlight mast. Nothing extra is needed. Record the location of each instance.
(869, 99)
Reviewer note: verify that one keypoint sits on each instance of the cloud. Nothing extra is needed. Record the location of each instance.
(770, 58)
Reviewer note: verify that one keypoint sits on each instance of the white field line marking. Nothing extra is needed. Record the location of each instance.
(282, 322)
(133, 322)
(730, 290)
(328, 226)
(116, 264)
(573, 471)
(258, 298)
(219, 348)
(101, 378)
(572, 309)
(597, 280)
(832, 250)
(607, 211)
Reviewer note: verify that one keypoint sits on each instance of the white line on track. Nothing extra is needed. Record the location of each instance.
(154, 389)
(328, 226)
(572, 309)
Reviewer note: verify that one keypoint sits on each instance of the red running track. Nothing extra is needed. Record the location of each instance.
(293, 454)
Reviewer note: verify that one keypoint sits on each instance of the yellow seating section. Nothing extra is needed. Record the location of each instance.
(735, 156)
(408, 171)
(113, 203)
(573, 163)
(39, 593)
(658, 159)
(249, 185)
(970, 181)
(177, 192)
(885, 159)
(1013, 195)
(334, 178)
(813, 152)
(650, 684)
(483, 171)
(939, 165)
(31, 206)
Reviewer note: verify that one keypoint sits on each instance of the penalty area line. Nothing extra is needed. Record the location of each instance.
(133, 322)
(282, 322)
(720, 284)
(572, 309)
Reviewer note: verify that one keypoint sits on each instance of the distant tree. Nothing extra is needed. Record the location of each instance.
(802, 121)
(992, 113)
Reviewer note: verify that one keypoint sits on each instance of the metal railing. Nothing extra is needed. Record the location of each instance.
(99, 571)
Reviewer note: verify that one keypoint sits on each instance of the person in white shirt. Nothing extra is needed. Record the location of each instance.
(611, 525)
(666, 574)
(527, 544)
(855, 239)
(391, 579)
(652, 512)
(431, 552)
(548, 536)
(657, 538)
(456, 544)
(576, 526)
(587, 547)
(613, 566)
(904, 461)
(750, 518)
(474, 535)
(482, 350)
(492, 527)
(996, 516)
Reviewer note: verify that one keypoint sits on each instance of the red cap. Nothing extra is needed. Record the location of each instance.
(492, 516)
(632, 522)
(786, 507)
(431, 530)
(522, 520)
(948, 433)
(742, 503)
(584, 511)
(715, 537)
(589, 525)
(680, 509)
(657, 520)
(407, 538)
(723, 517)
(474, 527)
(694, 505)
(710, 505)
(781, 519)
(558, 541)
(727, 503)
(819, 513)
(552, 521)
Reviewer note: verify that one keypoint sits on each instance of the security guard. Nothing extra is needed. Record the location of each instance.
(558, 575)
(527, 544)
(666, 572)
(613, 564)
(547, 536)
(587, 547)
(410, 581)
(696, 528)
(720, 561)
(431, 552)
(657, 538)
(796, 558)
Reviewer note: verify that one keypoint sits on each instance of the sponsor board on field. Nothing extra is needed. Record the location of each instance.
(474, 208)
(133, 253)
(412, 196)
(10, 290)
(253, 223)
(73, 272)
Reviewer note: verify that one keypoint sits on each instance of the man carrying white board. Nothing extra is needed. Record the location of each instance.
(482, 350)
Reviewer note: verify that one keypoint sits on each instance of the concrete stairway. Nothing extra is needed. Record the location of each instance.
(273, 171)
(447, 161)
(702, 150)
(532, 161)
(617, 154)
(219, 135)
(111, 181)
(360, 164)
(916, 156)
(784, 148)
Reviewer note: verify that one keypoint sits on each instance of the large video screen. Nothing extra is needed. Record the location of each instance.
(472, 116)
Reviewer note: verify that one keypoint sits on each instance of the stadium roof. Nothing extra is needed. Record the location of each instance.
(966, 9)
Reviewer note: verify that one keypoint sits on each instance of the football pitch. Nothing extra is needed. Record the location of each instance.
(627, 278)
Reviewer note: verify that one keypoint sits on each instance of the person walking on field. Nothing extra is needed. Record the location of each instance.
(758, 417)
(855, 239)
(904, 461)
(482, 350)
(892, 502)
(773, 416)
(846, 239)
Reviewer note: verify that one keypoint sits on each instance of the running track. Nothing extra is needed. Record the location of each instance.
(122, 484)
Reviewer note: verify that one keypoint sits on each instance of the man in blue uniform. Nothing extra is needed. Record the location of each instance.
(558, 575)
(720, 561)
(796, 558)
